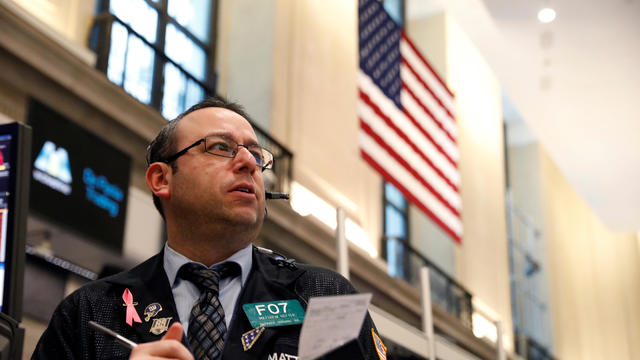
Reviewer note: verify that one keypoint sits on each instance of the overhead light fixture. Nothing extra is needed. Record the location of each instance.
(546, 15)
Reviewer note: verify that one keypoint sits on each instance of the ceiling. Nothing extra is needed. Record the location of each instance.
(574, 82)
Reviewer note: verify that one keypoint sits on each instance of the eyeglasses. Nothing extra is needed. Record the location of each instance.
(225, 147)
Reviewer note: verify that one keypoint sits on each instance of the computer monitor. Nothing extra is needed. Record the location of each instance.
(15, 155)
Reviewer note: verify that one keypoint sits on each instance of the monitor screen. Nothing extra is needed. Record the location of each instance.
(5, 191)
(77, 179)
(14, 145)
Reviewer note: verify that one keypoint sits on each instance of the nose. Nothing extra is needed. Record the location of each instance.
(245, 158)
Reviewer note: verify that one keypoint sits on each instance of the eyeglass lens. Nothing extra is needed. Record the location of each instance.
(222, 146)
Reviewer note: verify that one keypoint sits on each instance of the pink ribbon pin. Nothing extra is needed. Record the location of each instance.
(132, 315)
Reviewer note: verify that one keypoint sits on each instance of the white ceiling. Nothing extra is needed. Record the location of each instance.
(576, 84)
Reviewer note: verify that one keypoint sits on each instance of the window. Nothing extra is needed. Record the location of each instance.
(396, 231)
(395, 9)
(159, 51)
(396, 208)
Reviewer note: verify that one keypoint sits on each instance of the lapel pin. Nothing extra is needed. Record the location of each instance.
(132, 314)
(160, 325)
(151, 310)
(250, 337)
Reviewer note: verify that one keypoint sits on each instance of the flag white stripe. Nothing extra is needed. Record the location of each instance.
(429, 78)
(439, 136)
(385, 160)
(428, 101)
(390, 109)
(434, 84)
(387, 134)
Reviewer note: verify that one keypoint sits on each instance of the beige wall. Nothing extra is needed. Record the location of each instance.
(481, 260)
(314, 106)
(525, 180)
(244, 45)
(595, 277)
(429, 35)
(71, 19)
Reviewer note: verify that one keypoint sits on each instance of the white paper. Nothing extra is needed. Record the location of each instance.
(330, 322)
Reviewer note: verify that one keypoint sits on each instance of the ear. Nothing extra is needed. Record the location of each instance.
(158, 178)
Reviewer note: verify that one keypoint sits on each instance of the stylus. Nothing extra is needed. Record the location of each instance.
(119, 338)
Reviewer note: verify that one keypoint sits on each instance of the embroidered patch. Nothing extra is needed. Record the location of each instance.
(160, 325)
(380, 348)
(250, 337)
(151, 310)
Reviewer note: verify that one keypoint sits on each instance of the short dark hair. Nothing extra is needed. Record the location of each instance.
(164, 144)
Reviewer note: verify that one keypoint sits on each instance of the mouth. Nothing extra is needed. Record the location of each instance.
(243, 188)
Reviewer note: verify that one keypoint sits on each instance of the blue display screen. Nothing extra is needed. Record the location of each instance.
(77, 179)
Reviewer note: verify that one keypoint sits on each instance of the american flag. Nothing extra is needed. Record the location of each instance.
(249, 338)
(407, 119)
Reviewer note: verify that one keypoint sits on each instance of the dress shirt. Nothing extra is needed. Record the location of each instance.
(186, 294)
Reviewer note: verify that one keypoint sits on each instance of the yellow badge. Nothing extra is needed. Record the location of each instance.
(380, 348)
(160, 325)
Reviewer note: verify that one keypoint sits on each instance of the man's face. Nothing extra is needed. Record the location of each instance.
(212, 188)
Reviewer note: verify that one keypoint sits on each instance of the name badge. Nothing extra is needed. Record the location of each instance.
(274, 313)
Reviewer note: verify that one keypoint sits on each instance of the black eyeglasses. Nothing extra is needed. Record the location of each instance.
(225, 147)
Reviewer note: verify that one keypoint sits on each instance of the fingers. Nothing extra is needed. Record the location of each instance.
(169, 347)
(175, 332)
(162, 349)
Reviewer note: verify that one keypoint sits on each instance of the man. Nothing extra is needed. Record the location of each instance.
(205, 173)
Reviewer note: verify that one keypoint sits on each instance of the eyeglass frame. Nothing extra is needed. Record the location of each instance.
(174, 157)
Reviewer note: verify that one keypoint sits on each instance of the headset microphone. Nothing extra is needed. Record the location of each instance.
(276, 195)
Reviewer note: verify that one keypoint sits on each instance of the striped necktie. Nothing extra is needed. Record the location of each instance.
(207, 327)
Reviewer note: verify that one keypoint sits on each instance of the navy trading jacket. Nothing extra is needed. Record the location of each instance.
(70, 337)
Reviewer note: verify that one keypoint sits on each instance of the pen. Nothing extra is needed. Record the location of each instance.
(119, 338)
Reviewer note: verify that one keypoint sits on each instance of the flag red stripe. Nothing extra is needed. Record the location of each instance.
(427, 88)
(431, 140)
(404, 137)
(426, 110)
(426, 134)
(367, 129)
(408, 194)
(424, 61)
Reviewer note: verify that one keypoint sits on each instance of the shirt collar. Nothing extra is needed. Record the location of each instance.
(173, 261)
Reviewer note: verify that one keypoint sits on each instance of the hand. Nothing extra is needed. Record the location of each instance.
(169, 347)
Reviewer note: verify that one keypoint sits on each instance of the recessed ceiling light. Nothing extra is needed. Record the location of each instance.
(546, 15)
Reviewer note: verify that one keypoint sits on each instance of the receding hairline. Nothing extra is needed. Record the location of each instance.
(179, 120)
